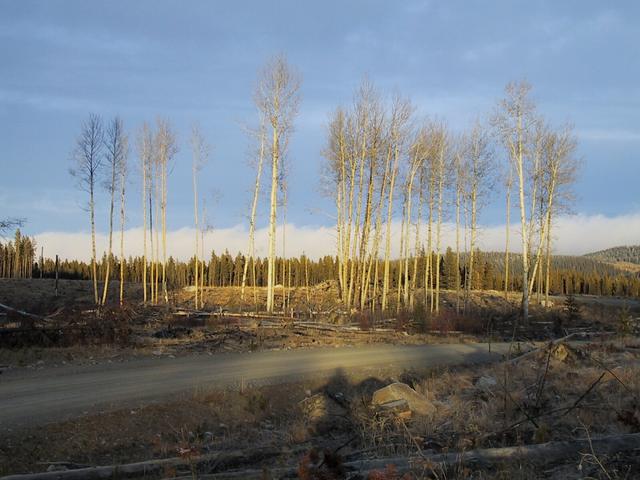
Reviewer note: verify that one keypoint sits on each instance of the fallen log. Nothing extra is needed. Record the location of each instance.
(156, 468)
(543, 453)
(25, 314)
(535, 350)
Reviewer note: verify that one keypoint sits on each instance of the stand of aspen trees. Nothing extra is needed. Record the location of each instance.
(397, 181)
(382, 162)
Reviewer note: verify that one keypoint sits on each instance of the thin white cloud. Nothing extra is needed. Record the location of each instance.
(612, 135)
(575, 235)
(49, 101)
(95, 40)
(487, 51)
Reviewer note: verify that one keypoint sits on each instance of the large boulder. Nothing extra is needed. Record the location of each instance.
(396, 392)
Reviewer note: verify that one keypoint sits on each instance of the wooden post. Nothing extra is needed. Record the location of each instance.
(57, 264)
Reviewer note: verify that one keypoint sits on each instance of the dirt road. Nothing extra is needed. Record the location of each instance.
(59, 393)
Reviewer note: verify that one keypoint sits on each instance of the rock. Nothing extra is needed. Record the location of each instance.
(398, 407)
(486, 383)
(560, 352)
(57, 468)
(401, 391)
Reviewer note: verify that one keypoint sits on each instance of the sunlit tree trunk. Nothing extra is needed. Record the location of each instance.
(254, 209)
(88, 164)
(400, 116)
(277, 98)
(144, 146)
(507, 232)
(114, 133)
(459, 184)
(200, 152)
(123, 181)
(441, 166)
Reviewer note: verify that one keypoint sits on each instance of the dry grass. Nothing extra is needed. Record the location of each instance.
(470, 413)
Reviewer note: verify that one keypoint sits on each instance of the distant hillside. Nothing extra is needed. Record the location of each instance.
(581, 264)
(626, 254)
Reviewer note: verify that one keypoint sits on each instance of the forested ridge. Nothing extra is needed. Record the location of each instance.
(627, 253)
(569, 274)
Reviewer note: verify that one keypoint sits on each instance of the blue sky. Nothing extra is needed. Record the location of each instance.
(197, 61)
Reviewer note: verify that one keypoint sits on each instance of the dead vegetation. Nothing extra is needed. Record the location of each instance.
(483, 422)
(68, 328)
(475, 422)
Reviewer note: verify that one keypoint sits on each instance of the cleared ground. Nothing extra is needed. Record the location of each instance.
(120, 386)
(59, 394)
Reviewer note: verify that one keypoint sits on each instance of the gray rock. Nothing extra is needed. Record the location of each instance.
(397, 407)
(486, 383)
(401, 391)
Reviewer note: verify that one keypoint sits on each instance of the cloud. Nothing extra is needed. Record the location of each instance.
(49, 101)
(95, 40)
(572, 235)
(612, 135)
(488, 51)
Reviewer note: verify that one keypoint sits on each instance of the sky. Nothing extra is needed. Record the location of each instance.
(197, 61)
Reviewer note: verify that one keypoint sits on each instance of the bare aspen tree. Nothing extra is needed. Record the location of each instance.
(416, 157)
(514, 120)
(166, 149)
(283, 191)
(460, 178)
(560, 174)
(401, 257)
(509, 184)
(340, 179)
(430, 184)
(7, 224)
(418, 228)
(122, 173)
(200, 153)
(372, 148)
(557, 173)
(359, 152)
(205, 227)
(277, 97)
(401, 113)
(115, 145)
(88, 162)
(478, 165)
(153, 228)
(441, 141)
(254, 209)
(306, 277)
(357, 175)
(384, 150)
(145, 145)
